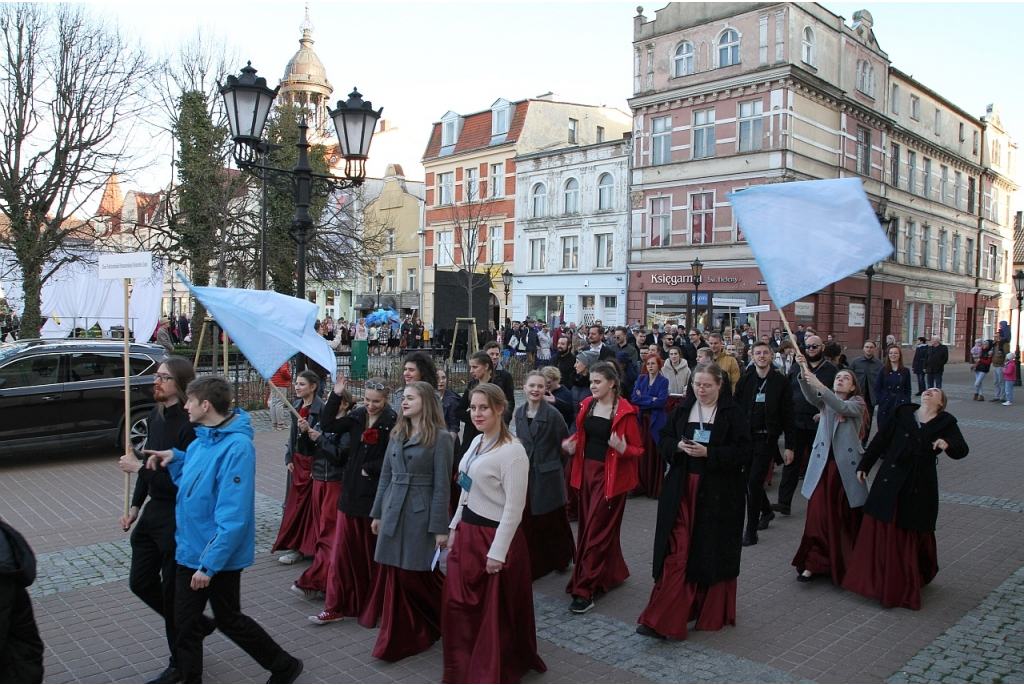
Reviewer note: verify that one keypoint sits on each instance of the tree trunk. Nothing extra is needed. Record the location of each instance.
(32, 275)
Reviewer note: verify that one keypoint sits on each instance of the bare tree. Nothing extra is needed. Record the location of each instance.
(71, 91)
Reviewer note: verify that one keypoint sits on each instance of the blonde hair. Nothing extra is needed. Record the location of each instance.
(495, 397)
(551, 373)
(431, 416)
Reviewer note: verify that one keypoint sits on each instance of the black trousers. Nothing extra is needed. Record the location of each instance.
(153, 575)
(765, 452)
(224, 595)
(803, 440)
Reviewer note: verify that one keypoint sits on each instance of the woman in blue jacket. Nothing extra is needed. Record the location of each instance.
(650, 393)
(892, 387)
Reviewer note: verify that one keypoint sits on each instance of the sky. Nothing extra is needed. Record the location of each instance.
(419, 60)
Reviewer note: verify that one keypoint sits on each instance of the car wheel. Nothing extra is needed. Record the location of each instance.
(138, 430)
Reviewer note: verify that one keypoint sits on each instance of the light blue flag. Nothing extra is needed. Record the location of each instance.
(269, 328)
(809, 234)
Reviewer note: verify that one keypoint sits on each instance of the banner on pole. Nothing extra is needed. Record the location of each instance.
(127, 265)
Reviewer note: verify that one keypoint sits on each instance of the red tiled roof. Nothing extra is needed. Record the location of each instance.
(476, 131)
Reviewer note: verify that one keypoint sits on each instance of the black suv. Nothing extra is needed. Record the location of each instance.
(65, 394)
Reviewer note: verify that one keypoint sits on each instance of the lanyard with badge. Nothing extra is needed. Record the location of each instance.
(759, 397)
(701, 435)
(464, 481)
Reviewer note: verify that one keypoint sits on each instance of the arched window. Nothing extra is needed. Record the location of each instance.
(684, 60)
(808, 46)
(729, 48)
(605, 192)
(866, 78)
(540, 201)
(572, 196)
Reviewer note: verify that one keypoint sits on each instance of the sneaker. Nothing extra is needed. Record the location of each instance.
(291, 557)
(1007, 404)
(581, 605)
(325, 617)
(306, 593)
(290, 674)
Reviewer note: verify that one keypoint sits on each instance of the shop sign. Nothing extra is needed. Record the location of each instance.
(803, 310)
(656, 303)
(682, 279)
(915, 295)
(856, 315)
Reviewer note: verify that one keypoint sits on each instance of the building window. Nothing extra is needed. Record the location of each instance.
(943, 184)
(927, 178)
(571, 252)
(750, 125)
(702, 218)
(683, 64)
(538, 248)
(894, 164)
(498, 180)
(909, 251)
(926, 245)
(472, 184)
(410, 280)
(448, 133)
(948, 323)
(958, 189)
(661, 140)
(661, 222)
(572, 196)
(499, 118)
(389, 281)
(970, 195)
(893, 232)
(895, 99)
(997, 153)
(969, 258)
(606, 192)
(975, 142)
(729, 48)
(704, 133)
(445, 188)
(866, 78)
(938, 122)
(390, 242)
(963, 132)
(991, 259)
(497, 248)
(807, 53)
(540, 201)
(863, 151)
(915, 108)
(957, 266)
(600, 134)
(605, 254)
(445, 248)
(943, 250)
(573, 126)
(912, 172)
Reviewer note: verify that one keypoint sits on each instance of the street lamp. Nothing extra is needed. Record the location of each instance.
(248, 101)
(379, 278)
(506, 279)
(696, 268)
(1018, 283)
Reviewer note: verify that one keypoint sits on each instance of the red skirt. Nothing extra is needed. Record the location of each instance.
(325, 514)
(672, 402)
(651, 467)
(675, 601)
(487, 623)
(891, 564)
(408, 603)
(549, 539)
(352, 566)
(298, 527)
(599, 565)
(830, 529)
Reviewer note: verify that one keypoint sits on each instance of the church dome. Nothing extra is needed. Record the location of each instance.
(305, 71)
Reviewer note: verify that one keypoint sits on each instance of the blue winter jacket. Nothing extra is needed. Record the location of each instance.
(216, 505)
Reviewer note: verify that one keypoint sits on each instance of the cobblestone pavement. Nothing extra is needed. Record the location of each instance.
(970, 628)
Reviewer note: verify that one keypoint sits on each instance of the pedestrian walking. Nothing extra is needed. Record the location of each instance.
(935, 362)
(1000, 348)
(279, 415)
(920, 356)
(867, 366)
(981, 367)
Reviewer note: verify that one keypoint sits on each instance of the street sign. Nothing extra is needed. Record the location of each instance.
(755, 308)
(728, 302)
(130, 265)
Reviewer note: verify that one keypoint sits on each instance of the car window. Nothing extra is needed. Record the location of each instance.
(30, 371)
(91, 366)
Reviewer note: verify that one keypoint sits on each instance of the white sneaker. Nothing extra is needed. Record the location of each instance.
(291, 557)
(305, 593)
(1007, 404)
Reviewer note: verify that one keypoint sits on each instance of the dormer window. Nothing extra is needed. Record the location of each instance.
(448, 133)
(500, 116)
(451, 127)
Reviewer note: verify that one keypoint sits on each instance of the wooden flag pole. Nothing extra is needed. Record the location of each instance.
(127, 401)
(199, 345)
(785, 322)
(284, 398)
(225, 334)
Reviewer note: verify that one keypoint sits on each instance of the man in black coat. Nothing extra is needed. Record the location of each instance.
(866, 368)
(920, 355)
(805, 427)
(565, 360)
(153, 570)
(767, 401)
(21, 648)
(935, 362)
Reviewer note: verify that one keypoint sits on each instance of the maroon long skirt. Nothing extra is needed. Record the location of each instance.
(325, 515)
(549, 539)
(298, 527)
(675, 601)
(891, 564)
(599, 565)
(830, 529)
(353, 569)
(651, 466)
(408, 605)
(572, 503)
(670, 404)
(487, 621)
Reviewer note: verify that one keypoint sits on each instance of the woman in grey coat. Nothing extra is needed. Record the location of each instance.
(410, 519)
(541, 429)
(834, 494)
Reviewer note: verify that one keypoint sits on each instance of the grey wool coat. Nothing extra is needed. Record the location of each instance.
(412, 501)
(842, 436)
(542, 440)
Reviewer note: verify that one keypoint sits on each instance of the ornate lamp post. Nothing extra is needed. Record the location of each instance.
(379, 280)
(1018, 283)
(506, 279)
(696, 268)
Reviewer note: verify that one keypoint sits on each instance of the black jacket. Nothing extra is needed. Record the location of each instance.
(805, 411)
(297, 440)
(907, 482)
(21, 648)
(714, 553)
(358, 491)
(330, 452)
(938, 357)
(920, 355)
(777, 409)
(167, 430)
(566, 366)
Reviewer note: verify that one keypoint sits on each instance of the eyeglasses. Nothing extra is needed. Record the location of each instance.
(374, 386)
(162, 377)
(813, 347)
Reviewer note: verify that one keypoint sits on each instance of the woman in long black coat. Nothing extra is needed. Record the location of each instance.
(895, 553)
(701, 511)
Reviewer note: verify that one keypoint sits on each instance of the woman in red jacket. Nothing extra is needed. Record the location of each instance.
(606, 449)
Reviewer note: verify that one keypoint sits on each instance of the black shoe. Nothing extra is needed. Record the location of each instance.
(801, 578)
(749, 539)
(647, 631)
(289, 675)
(170, 675)
(581, 605)
(209, 625)
(781, 508)
(762, 523)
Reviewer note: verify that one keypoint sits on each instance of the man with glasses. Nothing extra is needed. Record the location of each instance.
(622, 345)
(805, 427)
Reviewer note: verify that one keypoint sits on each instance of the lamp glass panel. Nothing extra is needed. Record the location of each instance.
(245, 107)
(229, 106)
